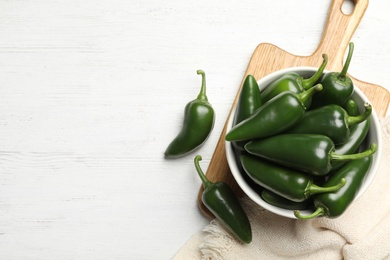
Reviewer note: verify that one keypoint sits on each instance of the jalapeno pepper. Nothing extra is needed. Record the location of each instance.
(198, 122)
(277, 115)
(330, 120)
(334, 204)
(311, 153)
(357, 134)
(248, 102)
(220, 199)
(283, 181)
(293, 82)
(356, 138)
(338, 87)
(351, 107)
(281, 202)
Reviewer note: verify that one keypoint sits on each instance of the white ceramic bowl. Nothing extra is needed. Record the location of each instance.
(374, 136)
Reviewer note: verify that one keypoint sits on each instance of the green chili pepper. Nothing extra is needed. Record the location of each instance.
(351, 107)
(198, 122)
(293, 82)
(220, 199)
(277, 115)
(283, 181)
(248, 102)
(334, 204)
(357, 134)
(311, 153)
(338, 87)
(356, 138)
(281, 202)
(330, 120)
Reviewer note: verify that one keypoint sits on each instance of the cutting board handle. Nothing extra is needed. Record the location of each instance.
(338, 31)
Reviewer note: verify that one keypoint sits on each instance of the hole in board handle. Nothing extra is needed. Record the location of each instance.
(347, 7)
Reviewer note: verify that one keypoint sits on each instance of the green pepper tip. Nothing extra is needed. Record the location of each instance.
(199, 72)
(354, 120)
(343, 73)
(202, 94)
(297, 213)
(197, 158)
(374, 147)
(308, 83)
(342, 182)
(317, 213)
(314, 189)
(306, 95)
(319, 87)
(202, 176)
(325, 57)
(344, 157)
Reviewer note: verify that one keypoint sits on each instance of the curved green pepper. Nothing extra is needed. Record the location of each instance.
(220, 199)
(314, 154)
(357, 134)
(330, 120)
(248, 102)
(283, 181)
(198, 122)
(334, 204)
(338, 87)
(281, 202)
(293, 82)
(356, 138)
(277, 115)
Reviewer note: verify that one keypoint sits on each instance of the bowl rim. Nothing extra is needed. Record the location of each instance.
(255, 196)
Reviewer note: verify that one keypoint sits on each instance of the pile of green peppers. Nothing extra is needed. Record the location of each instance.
(301, 141)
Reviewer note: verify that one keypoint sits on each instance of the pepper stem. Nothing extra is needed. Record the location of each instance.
(354, 120)
(308, 83)
(305, 95)
(343, 73)
(317, 213)
(205, 181)
(345, 157)
(314, 189)
(202, 94)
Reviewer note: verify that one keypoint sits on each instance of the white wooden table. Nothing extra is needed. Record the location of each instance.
(92, 92)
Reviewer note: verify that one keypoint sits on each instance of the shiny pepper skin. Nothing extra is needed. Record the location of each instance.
(220, 199)
(199, 117)
(334, 204)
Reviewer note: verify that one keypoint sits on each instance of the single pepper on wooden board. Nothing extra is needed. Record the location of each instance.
(199, 117)
(220, 199)
(334, 204)
(286, 182)
(310, 153)
(248, 102)
(293, 82)
(330, 120)
(277, 115)
(338, 87)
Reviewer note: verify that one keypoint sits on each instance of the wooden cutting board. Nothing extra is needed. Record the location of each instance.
(268, 58)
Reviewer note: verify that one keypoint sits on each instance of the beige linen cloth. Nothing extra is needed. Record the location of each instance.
(362, 232)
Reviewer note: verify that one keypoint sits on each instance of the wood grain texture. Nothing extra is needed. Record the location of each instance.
(268, 58)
